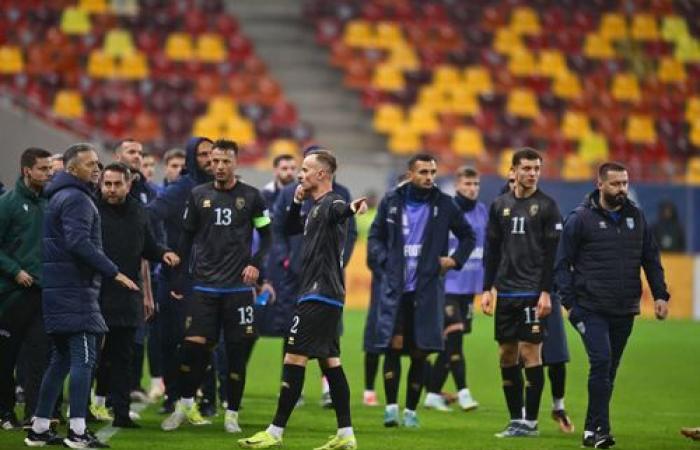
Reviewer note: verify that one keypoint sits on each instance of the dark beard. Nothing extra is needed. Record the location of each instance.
(615, 201)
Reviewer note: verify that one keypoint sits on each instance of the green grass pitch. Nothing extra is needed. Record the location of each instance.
(657, 392)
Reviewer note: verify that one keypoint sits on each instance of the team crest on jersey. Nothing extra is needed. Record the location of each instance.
(630, 223)
(206, 203)
(506, 212)
(602, 225)
(240, 203)
(449, 310)
(534, 209)
(314, 213)
(535, 329)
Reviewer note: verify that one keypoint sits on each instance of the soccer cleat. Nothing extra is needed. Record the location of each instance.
(231, 422)
(565, 424)
(139, 396)
(692, 433)
(326, 400)
(518, 429)
(101, 413)
(369, 398)
(436, 402)
(48, 437)
(182, 413)
(8, 421)
(261, 439)
(410, 419)
(207, 409)
(391, 417)
(85, 440)
(339, 443)
(133, 415)
(157, 391)
(466, 401)
(124, 422)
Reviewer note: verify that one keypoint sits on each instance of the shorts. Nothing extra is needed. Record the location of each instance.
(208, 313)
(459, 308)
(314, 331)
(516, 320)
(405, 322)
(555, 349)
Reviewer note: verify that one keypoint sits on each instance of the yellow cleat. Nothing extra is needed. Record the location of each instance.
(339, 443)
(101, 413)
(261, 439)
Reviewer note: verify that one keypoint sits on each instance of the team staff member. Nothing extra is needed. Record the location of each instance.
(315, 325)
(21, 220)
(605, 243)
(521, 241)
(408, 246)
(218, 228)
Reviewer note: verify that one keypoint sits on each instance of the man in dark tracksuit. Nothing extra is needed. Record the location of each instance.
(127, 238)
(167, 209)
(604, 244)
(21, 218)
(408, 248)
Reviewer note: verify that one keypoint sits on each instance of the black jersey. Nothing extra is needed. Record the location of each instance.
(219, 225)
(325, 231)
(522, 236)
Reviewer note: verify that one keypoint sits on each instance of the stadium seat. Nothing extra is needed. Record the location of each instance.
(210, 48)
(644, 27)
(358, 74)
(446, 76)
(464, 102)
(387, 118)
(478, 80)
(283, 147)
(93, 6)
(423, 120)
(640, 129)
(575, 125)
(146, 128)
(522, 63)
(388, 78)
(598, 47)
(524, 20)
(101, 65)
(207, 126)
(403, 57)
(11, 61)
(178, 47)
(505, 162)
(124, 7)
(118, 43)
(613, 26)
(522, 103)
(576, 169)
(389, 35)
(593, 148)
(75, 21)
(692, 110)
(671, 70)
(358, 33)
(435, 98)
(625, 88)
(507, 41)
(692, 174)
(68, 104)
(133, 66)
(552, 63)
(404, 141)
(567, 86)
(674, 28)
(239, 130)
(687, 50)
(694, 134)
(222, 107)
(467, 142)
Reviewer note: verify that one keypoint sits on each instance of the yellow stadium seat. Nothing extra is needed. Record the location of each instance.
(446, 76)
(505, 162)
(222, 107)
(640, 129)
(124, 7)
(423, 120)
(211, 48)
(692, 175)
(68, 104)
(478, 79)
(467, 142)
(358, 33)
(404, 141)
(576, 169)
(522, 103)
(522, 63)
(179, 47)
(464, 101)
(524, 20)
(101, 65)
(674, 28)
(567, 86)
(598, 47)
(387, 118)
(118, 42)
(671, 70)
(434, 98)
(133, 67)
(695, 132)
(283, 147)
(552, 63)
(239, 130)
(11, 60)
(687, 50)
(613, 26)
(208, 126)
(389, 35)
(575, 125)
(75, 21)
(593, 148)
(388, 78)
(403, 57)
(625, 87)
(644, 27)
(692, 109)
(93, 6)
(507, 41)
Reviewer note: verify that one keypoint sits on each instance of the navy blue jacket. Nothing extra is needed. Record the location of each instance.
(73, 261)
(385, 256)
(599, 259)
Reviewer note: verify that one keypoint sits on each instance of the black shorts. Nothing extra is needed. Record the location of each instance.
(405, 322)
(314, 331)
(516, 320)
(208, 313)
(459, 308)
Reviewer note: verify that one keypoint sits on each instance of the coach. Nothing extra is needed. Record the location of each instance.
(604, 243)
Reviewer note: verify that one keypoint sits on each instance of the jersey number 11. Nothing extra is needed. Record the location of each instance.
(518, 225)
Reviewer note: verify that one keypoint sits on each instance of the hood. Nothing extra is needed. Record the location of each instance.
(191, 168)
(63, 180)
(592, 201)
(403, 189)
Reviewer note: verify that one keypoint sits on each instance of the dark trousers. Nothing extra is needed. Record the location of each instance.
(172, 331)
(605, 338)
(21, 323)
(114, 367)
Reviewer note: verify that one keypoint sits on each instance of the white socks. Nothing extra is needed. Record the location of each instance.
(78, 425)
(558, 404)
(40, 424)
(275, 431)
(187, 402)
(100, 400)
(345, 432)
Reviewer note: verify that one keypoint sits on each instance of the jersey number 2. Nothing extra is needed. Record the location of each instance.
(518, 225)
(223, 216)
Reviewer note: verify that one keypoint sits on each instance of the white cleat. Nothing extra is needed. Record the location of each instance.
(231, 422)
(465, 400)
(436, 402)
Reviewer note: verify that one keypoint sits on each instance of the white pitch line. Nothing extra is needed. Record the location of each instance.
(108, 431)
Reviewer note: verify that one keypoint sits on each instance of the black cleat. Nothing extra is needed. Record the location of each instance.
(598, 440)
(124, 422)
(85, 440)
(48, 437)
(8, 421)
(207, 409)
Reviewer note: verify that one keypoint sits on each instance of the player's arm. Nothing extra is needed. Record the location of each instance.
(567, 251)
(465, 236)
(293, 223)
(654, 271)
(492, 257)
(9, 266)
(262, 224)
(279, 241)
(550, 235)
(340, 210)
(376, 240)
(190, 222)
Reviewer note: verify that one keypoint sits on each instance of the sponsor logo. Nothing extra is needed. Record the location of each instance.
(558, 227)
(506, 212)
(602, 225)
(581, 327)
(412, 250)
(206, 203)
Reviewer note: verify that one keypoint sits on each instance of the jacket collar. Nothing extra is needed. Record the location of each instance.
(24, 190)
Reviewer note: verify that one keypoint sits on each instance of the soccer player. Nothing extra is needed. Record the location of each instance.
(408, 244)
(314, 327)
(605, 243)
(218, 228)
(174, 163)
(521, 239)
(460, 287)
